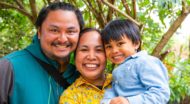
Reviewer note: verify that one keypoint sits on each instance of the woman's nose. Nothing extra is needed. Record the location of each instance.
(91, 55)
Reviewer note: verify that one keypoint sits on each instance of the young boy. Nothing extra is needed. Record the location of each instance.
(139, 78)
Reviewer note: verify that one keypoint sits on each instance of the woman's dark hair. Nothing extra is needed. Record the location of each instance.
(56, 6)
(116, 29)
(87, 30)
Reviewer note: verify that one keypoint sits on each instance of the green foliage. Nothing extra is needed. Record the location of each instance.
(15, 31)
(180, 81)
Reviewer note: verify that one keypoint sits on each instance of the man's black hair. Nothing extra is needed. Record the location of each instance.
(56, 6)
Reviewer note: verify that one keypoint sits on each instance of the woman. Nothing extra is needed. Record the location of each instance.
(90, 61)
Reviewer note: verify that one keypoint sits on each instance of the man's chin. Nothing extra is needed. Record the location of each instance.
(63, 57)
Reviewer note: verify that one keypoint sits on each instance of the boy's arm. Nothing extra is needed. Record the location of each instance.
(154, 77)
(109, 94)
(6, 81)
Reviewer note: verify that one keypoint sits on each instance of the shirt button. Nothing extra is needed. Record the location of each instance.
(116, 82)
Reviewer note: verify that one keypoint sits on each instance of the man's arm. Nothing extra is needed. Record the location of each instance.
(6, 81)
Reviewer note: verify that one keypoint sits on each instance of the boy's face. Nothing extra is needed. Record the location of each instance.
(118, 51)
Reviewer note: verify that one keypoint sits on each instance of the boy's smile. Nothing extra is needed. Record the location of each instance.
(118, 51)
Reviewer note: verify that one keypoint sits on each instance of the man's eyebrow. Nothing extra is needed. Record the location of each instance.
(54, 26)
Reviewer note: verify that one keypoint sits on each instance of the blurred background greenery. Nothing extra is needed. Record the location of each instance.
(164, 25)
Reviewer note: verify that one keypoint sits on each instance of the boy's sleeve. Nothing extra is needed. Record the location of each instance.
(6, 81)
(154, 76)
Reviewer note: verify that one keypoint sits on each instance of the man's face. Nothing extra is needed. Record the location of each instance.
(59, 34)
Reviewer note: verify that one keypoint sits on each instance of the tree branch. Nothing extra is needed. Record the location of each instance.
(128, 11)
(168, 34)
(45, 2)
(171, 31)
(34, 10)
(97, 15)
(48, 1)
(9, 6)
(134, 9)
(110, 11)
(129, 17)
(20, 4)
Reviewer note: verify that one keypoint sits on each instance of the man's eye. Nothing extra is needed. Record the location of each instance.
(71, 31)
(54, 30)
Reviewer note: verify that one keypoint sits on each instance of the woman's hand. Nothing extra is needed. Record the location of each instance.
(119, 100)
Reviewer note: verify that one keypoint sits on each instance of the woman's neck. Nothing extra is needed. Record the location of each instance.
(98, 81)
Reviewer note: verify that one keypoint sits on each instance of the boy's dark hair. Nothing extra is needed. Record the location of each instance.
(116, 29)
(56, 6)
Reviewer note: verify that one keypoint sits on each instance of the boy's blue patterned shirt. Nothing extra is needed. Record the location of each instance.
(142, 79)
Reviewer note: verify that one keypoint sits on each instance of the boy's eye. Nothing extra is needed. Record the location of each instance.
(120, 43)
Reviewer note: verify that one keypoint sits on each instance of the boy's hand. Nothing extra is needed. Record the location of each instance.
(119, 100)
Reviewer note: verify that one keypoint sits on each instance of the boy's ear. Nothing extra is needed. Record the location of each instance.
(137, 45)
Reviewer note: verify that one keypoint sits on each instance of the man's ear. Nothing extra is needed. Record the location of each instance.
(39, 33)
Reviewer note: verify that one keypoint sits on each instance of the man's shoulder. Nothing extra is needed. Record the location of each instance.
(15, 55)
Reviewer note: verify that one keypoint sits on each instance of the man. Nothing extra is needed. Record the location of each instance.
(26, 76)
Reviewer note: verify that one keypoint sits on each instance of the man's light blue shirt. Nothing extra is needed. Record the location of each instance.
(142, 79)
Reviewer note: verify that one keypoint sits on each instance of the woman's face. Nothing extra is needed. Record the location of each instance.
(90, 57)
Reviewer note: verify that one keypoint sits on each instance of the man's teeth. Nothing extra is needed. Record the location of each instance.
(91, 65)
(62, 46)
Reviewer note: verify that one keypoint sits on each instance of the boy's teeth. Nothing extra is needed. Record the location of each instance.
(116, 57)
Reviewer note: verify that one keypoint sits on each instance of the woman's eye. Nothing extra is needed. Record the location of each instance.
(99, 50)
(83, 50)
(107, 46)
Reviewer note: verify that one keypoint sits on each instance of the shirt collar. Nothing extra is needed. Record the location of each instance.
(138, 54)
(81, 81)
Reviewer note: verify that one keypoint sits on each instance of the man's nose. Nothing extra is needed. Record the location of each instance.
(63, 37)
